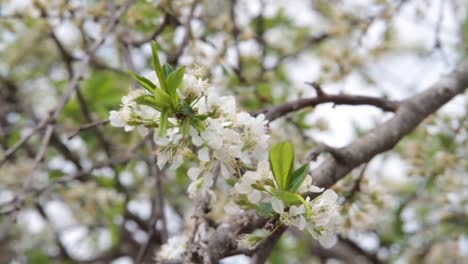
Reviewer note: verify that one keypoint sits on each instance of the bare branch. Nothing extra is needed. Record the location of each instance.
(168, 20)
(339, 99)
(9, 152)
(88, 126)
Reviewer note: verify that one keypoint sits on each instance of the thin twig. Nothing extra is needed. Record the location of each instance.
(88, 126)
(9, 152)
(174, 58)
(338, 99)
(167, 20)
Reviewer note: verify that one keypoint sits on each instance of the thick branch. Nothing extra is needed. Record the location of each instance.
(265, 248)
(223, 240)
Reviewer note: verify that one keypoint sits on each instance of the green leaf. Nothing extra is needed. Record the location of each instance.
(147, 84)
(157, 66)
(55, 174)
(265, 209)
(103, 91)
(186, 111)
(162, 97)
(167, 69)
(163, 123)
(288, 198)
(281, 162)
(151, 101)
(37, 256)
(106, 182)
(297, 177)
(174, 80)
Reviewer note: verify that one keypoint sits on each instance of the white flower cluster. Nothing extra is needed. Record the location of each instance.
(223, 136)
(320, 216)
(207, 131)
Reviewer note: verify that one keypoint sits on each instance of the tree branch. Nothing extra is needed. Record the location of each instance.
(338, 99)
(266, 246)
(168, 20)
(88, 126)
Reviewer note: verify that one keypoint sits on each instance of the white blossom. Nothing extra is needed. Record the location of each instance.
(232, 208)
(192, 87)
(255, 196)
(193, 173)
(251, 240)
(307, 186)
(204, 154)
(119, 118)
(277, 204)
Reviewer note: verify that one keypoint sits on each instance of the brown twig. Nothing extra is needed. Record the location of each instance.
(357, 184)
(338, 99)
(235, 31)
(9, 152)
(88, 126)
(157, 205)
(173, 59)
(167, 20)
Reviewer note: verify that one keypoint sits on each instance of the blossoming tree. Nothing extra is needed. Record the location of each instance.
(220, 156)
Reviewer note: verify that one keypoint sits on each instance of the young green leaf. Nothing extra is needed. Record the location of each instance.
(157, 66)
(55, 174)
(265, 209)
(174, 80)
(152, 101)
(186, 111)
(288, 198)
(147, 84)
(163, 123)
(162, 97)
(297, 177)
(105, 181)
(281, 162)
(167, 69)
